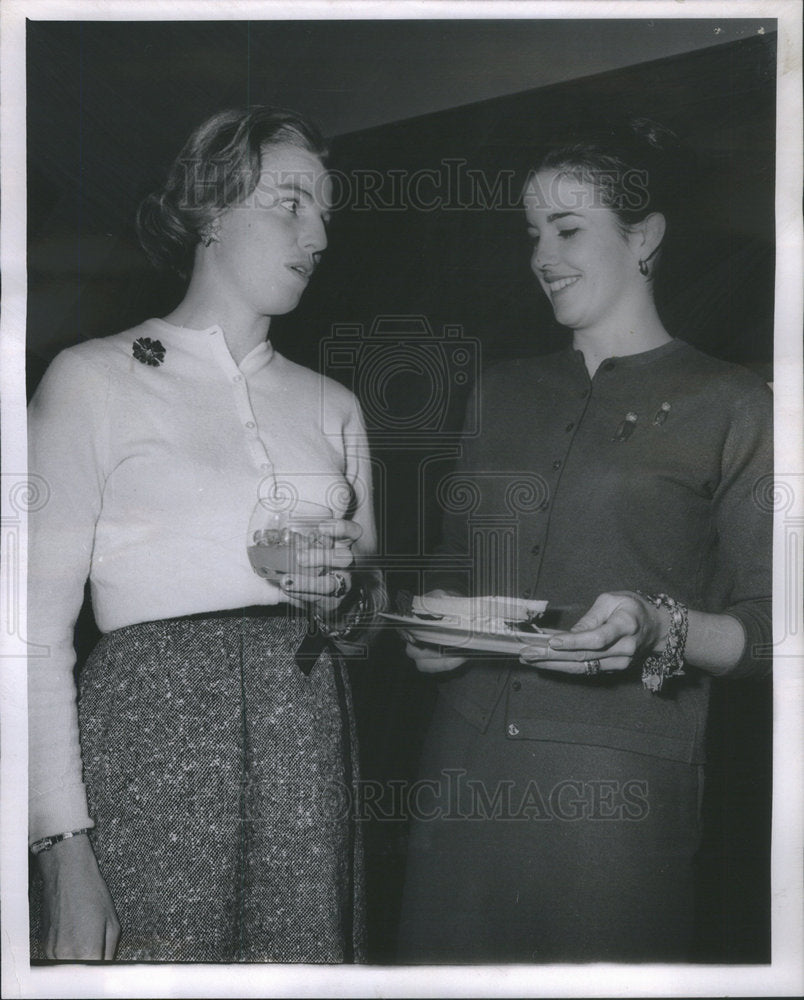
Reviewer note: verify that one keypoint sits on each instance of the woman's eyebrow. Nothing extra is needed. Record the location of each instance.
(561, 215)
(294, 187)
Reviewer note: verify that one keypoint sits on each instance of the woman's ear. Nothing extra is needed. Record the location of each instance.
(648, 235)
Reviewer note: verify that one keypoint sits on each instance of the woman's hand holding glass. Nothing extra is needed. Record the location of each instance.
(304, 550)
(618, 629)
(321, 574)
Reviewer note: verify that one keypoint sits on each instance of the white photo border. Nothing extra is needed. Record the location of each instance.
(785, 975)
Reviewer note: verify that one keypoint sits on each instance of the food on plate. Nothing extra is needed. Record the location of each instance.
(497, 615)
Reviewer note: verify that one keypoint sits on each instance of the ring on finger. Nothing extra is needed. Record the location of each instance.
(341, 586)
(592, 667)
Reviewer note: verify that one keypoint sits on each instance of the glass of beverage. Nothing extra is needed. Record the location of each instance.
(278, 534)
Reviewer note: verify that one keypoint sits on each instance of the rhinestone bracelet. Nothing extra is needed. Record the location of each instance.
(39, 846)
(670, 662)
(358, 613)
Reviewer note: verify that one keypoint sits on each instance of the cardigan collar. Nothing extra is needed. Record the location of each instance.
(210, 345)
(638, 360)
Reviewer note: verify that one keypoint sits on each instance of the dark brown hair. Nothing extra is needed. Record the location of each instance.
(637, 165)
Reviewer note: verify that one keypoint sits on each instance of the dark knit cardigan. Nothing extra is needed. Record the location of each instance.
(652, 476)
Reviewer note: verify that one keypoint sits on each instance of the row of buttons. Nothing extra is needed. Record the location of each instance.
(513, 728)
(237, 379)
(255, 445)
(251, 426)
(557, 465)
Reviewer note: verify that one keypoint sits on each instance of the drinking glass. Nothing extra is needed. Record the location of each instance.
(278, 535)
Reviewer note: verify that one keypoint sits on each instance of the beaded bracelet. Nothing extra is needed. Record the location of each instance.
(39, 846)
(670, 662)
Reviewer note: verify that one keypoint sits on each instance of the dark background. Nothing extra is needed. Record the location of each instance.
(109, 105)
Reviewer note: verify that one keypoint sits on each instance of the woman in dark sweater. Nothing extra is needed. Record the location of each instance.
(567, 786)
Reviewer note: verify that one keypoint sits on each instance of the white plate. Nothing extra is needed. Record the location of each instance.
(436, 633)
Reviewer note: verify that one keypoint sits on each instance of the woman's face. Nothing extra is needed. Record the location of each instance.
(588, 268)
(268, 245)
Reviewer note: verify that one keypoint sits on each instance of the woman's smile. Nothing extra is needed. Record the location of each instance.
(557, 284)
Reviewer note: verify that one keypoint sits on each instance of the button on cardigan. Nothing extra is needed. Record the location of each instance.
(154, 458)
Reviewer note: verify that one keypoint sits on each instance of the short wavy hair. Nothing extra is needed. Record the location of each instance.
(218, 166)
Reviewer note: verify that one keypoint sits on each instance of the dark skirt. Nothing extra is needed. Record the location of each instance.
(222, 779)
(535, 851)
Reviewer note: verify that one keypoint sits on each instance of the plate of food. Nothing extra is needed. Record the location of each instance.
(484, 624)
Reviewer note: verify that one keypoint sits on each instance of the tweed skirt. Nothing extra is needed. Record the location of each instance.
(221, 780)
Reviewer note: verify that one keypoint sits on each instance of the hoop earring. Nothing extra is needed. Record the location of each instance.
(644, 270)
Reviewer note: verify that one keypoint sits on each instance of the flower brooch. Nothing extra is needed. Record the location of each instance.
(149, 352)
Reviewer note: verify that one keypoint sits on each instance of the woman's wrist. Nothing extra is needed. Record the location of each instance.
(45, 844)
(70, 851)
(716, 643)
(660, 622)
(356, 612)
(669, 660)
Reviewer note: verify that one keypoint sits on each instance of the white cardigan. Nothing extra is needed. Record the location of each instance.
(153, 471)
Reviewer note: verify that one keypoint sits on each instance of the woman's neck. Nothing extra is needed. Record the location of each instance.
(199, 310)
(640, 333)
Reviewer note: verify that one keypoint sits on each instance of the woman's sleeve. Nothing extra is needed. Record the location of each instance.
(359, 476)
(67, 444)
(744, 519)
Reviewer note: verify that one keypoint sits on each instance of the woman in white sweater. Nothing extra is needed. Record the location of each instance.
(188, 805)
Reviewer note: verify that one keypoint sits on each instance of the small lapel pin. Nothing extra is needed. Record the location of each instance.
(626, 428)
(661, 414)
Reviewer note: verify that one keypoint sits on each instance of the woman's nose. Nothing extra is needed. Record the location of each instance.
(540, 261)
(544, 254)
(314, 238)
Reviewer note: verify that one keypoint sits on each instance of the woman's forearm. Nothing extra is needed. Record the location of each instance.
(715, 642)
